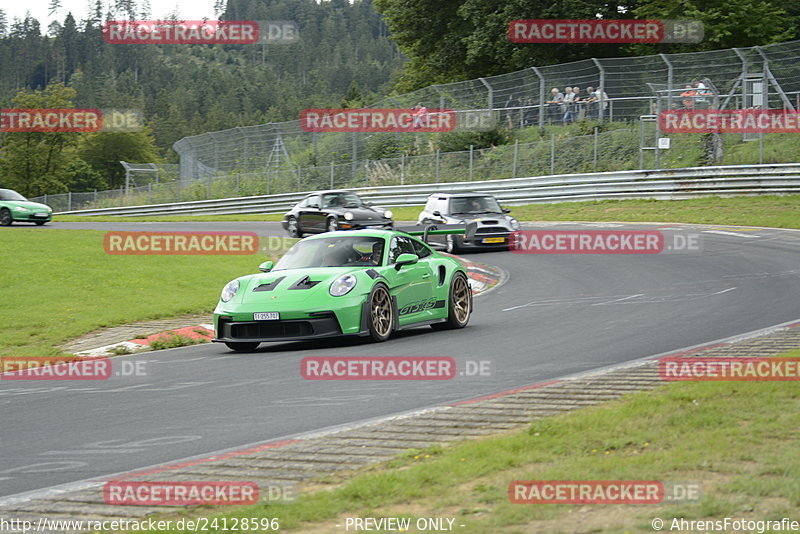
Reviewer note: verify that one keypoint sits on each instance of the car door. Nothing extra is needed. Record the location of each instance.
(413, 283)
(312, 220)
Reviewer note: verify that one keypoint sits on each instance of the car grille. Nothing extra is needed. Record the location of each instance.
(271, 330)
(490, 230)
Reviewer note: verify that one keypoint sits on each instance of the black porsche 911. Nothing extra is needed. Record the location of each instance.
(328, 211)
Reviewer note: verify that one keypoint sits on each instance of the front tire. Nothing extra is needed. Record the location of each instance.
(381, 314)
(5, 217)
(453, 247)
(332, 225)
(459, 304)
(293, 227)
(243, 346)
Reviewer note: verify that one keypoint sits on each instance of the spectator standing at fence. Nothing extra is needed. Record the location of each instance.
(511, 113)
(569, 98)
(578, 103)
(590, 103)
(529, 113)
(687, 97)
(599, 100)
(702, 92)
(555, 104)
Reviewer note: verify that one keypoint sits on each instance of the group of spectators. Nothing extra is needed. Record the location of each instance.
(695, 95)
(572, 105)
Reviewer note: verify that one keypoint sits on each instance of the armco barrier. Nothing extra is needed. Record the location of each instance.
(658, 184)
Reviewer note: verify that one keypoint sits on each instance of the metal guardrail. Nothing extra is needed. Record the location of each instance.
(661, 184)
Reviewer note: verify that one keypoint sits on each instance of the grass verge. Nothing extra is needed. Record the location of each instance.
(772, 210)
(59, 284)
(738, 439)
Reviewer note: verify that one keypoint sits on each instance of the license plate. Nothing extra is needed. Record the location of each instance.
(40, 215)
(494, 239)
(266, 316)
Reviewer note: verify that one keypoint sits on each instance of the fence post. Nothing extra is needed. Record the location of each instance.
(366, 172)
(594, 157)
(402, 169)
(121, 197)
(238, 186)
(490, 100)
(94, 203)
(150, 193)
(69, 199)
(438, 155)
(552, 153)
(516, 153)
(299, 170)
(471, 158)
(45, 197)
(542, 90)
(331, 175)
(670, 80)
(602, 88)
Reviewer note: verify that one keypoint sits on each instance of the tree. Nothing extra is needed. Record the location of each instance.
(32, 161)
(103, 151)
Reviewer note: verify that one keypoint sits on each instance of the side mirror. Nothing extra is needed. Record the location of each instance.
(368, 204)
(266, 266)
(437, 213)
(506, 210)
(405, 259)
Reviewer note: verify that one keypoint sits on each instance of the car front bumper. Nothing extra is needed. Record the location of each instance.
(31, 216)
(295, 322)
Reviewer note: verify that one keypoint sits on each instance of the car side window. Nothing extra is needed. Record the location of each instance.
(420, 249)
(313, 202)
(430, 207)
(303, 203)
(400, 245)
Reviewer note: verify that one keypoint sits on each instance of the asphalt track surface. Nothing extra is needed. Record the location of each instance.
(556, 315)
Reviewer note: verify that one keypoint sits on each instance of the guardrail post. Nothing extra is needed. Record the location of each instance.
(516, 153)
(471, 159)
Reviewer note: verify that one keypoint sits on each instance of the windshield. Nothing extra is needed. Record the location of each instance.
(486, 204)
(340, 251)
(341, 200)
(8, 194)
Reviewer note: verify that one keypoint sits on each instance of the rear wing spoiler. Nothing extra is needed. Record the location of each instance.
(425, 230)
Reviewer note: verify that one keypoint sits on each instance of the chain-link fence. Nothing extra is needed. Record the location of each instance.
(281, 157)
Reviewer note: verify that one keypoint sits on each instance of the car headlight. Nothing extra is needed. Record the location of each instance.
(348, 216)
(387, 214)
(343, 285)
(20, 208)
(514, 223)
(229, 291)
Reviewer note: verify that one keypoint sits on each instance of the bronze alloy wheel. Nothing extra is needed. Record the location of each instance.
(381, 313)
(461, 299)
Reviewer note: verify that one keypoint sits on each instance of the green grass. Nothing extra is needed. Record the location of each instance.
(172, 340)
(59, 284)
(780, 211)
(738, 439)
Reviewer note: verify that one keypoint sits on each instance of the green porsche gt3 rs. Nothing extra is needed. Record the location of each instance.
(15, 207)
(361, 282)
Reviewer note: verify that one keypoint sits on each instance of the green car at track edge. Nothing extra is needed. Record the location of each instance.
(16, 208)
(362, 283)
